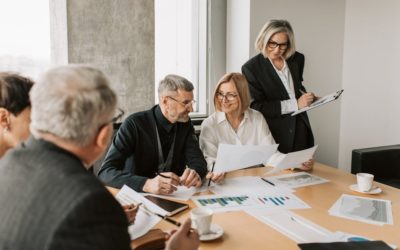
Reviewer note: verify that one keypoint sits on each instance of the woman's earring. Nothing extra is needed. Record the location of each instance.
(5, 129)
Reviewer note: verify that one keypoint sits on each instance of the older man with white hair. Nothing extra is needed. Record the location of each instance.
(48, 199)
(157, 150)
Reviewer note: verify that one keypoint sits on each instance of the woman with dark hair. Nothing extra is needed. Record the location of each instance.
(15, 110)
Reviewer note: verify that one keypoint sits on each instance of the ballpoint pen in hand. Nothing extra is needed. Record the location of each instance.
(212, 169)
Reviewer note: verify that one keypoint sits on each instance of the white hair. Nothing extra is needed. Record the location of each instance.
(72, 102)
(171, 83)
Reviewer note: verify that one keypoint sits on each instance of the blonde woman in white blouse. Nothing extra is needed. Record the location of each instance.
(233, 122)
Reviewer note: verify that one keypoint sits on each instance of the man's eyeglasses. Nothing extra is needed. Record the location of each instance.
(228, 96)
(186, 104)
(273, 45)
(119, 115)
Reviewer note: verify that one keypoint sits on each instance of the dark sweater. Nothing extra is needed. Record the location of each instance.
(133, 155)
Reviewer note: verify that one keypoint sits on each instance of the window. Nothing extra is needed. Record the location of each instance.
(25, 37)
(181, 45)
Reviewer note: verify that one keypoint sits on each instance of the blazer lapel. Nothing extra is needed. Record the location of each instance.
(294, 71)
(276, 80)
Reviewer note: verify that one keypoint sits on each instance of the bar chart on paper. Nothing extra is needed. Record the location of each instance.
(243, 202)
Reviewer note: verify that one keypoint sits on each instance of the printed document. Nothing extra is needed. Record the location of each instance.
(233, 157)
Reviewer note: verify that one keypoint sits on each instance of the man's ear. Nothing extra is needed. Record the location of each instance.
(4, 118)
(103, 137)
(164, 100)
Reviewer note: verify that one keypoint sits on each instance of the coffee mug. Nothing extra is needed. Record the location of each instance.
(364, 181)
(201, 219)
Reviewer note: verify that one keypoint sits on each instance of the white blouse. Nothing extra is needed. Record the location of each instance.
(253, 130)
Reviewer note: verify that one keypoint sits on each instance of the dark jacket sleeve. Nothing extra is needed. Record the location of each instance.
(114, 171)
(270, 107)
(94, 221)
(193, 155)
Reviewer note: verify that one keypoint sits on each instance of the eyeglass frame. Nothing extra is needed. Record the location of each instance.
(219, 94)
(274, 45)
(188, 104)
(121, 113)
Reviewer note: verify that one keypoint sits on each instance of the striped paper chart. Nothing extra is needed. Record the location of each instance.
(240, 202)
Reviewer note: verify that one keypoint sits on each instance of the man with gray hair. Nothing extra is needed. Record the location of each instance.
(49, 200)
(157, 150)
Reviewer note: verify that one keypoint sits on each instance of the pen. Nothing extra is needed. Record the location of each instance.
(176, 223)
(164, 176)
(267, 181)
(212, 169)
(302, 92)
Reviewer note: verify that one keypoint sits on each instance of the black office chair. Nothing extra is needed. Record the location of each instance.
(383, 162)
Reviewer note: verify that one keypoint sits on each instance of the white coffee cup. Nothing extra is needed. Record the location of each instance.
(201, 219)
(364, 181)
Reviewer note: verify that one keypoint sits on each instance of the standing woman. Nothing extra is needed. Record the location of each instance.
(275, 79)
(15, 110)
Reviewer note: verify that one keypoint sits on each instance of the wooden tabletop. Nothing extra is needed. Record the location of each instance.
(242, 231)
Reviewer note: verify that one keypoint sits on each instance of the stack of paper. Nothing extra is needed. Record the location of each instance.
(369, 210)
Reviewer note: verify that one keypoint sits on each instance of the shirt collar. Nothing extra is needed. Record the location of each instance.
(222, 117)
(284, 69)
(161, 120)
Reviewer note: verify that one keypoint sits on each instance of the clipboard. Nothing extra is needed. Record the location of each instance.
(321, 101)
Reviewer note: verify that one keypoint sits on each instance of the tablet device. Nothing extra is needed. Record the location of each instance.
(172, 207)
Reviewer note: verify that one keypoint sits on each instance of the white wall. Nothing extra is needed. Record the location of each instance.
(238, 25)
(370, 114)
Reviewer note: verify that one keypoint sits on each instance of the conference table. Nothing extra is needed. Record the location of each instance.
(243, 231)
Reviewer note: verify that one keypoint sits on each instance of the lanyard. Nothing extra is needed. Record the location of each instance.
(165, 166)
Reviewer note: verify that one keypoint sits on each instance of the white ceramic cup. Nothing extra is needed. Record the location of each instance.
(201, 219)
(364, 181)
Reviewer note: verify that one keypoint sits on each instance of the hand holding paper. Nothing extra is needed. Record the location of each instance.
(291, 160)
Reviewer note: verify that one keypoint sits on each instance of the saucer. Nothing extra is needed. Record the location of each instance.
(374, 190)
(215, 232)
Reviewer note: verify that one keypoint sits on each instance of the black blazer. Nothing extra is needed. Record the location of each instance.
(267, 92)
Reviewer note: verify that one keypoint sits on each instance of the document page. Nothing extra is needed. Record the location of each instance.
(292, 160)
(296, 180)
(292, 225)
(234, 157)
(369, 210)
(144, 220)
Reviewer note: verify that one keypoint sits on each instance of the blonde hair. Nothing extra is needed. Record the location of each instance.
(269, 29)
(242, 87)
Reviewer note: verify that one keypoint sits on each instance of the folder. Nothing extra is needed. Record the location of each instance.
(321, 101)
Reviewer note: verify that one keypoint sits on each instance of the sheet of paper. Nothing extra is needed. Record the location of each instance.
(223, 203)
(144, 220)
(296, 180)
(183, 193)
(234, 157)
(292, 225)
(246, 185)
(369, 210)
(292, 160)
